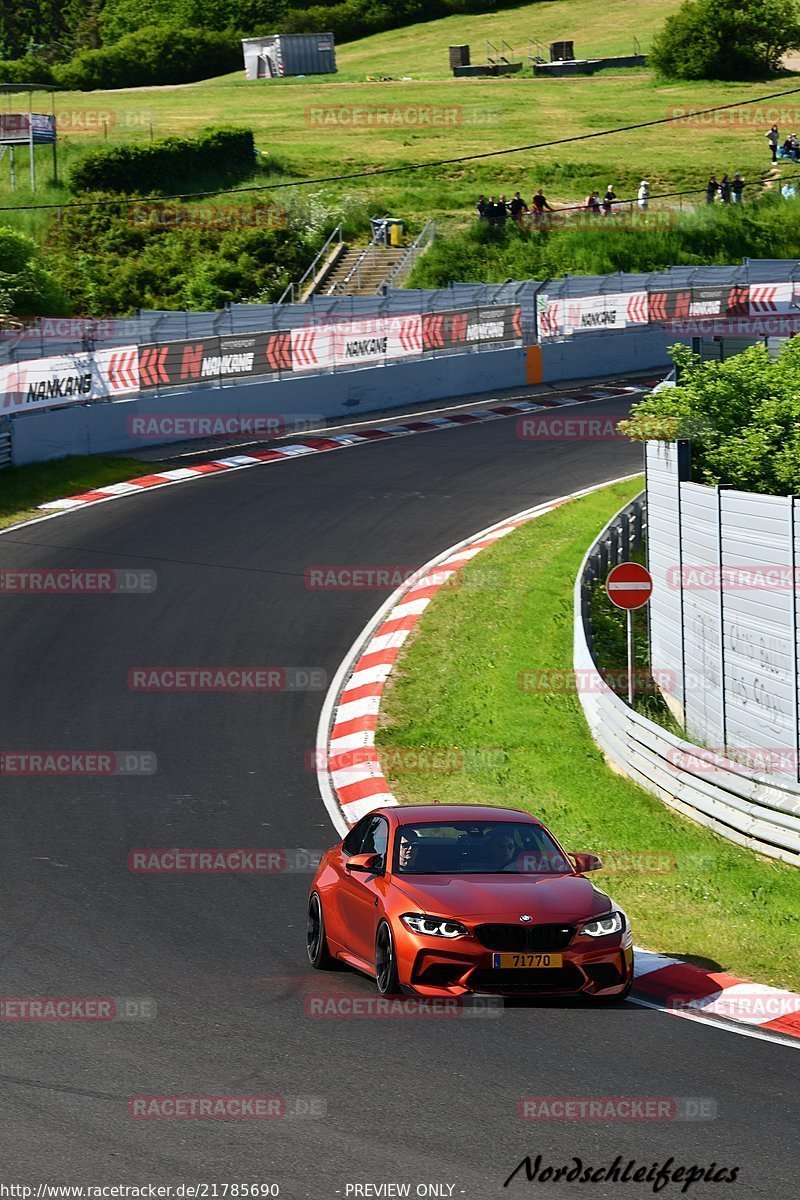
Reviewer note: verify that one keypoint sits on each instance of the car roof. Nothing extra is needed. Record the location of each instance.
(439, 813)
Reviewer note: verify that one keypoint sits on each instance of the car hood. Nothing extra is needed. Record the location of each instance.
(504, 897)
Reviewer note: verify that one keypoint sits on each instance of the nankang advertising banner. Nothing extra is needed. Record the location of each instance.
(350, 343)
(698, 303)
(591, 314)
(67, 379)
(213, 359)
(471, 326)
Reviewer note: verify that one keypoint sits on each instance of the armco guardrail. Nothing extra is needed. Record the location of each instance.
(748, 808)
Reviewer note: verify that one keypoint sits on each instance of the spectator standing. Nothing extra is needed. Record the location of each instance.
(737, 189)
(482, 207)
(491, 211)
(593, 203)
(517, 208)
(644, 195)
(773, 137)
(788, 191)
(608, 200)
(539, 206)
(501, 210)
(725, 189)
(712, 187)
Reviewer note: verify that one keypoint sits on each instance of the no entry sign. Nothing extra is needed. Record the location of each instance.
(629, 585)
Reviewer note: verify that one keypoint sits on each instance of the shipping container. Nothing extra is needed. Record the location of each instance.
(282, 54)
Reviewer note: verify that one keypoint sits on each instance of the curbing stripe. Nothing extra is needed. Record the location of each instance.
(319, 444)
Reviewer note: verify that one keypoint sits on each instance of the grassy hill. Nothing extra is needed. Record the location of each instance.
(327, 125)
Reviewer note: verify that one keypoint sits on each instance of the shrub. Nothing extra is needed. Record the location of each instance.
(153, 55)
(26, 70)
(742, 415)
(172, 164)
(726, 39)
(27, 288)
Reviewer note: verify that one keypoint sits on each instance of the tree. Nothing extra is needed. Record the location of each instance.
(726, 39)
(741, 415)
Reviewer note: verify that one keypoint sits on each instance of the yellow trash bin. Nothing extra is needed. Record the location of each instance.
(396, 234)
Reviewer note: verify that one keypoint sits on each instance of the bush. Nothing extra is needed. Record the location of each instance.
(173, 164)
(26, 70)
(726, 39)
(742, 415)
(110, 263)
(27, 288)
(153, 55)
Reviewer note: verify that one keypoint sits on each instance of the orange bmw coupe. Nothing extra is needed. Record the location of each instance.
(448, 900)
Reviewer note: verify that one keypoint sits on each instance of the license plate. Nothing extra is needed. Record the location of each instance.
(526, 961)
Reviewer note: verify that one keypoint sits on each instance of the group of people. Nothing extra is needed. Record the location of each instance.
(788, 148)
(729, 191)
(496, 211)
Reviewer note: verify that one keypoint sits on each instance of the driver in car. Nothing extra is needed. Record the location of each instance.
(505, 850)
(409, 843)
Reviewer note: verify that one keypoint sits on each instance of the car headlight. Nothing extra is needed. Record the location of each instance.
(434, 926)
(612, 922)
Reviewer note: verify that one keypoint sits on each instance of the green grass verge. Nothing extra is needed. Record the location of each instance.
(456, 685)
(23, 488)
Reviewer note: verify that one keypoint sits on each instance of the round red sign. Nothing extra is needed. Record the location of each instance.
(629, 585)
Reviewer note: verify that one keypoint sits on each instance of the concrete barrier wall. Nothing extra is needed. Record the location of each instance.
(106, 428)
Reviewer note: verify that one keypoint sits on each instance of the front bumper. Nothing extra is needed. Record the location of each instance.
(464, 967)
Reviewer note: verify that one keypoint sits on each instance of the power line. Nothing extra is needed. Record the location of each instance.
(380, 171)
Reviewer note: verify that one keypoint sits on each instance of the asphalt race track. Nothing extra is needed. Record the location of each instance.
(415, 1101)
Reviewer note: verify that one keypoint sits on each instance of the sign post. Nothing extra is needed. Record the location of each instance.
(629, 586)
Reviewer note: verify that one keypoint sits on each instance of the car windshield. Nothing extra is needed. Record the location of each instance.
(477, 848)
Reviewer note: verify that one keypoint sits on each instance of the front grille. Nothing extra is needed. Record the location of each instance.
(557, 979)
(525, 937)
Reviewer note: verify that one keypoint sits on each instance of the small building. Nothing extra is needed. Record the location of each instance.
(281, 54)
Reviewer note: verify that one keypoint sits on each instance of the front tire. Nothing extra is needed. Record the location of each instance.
(386, 976)
(319, 955)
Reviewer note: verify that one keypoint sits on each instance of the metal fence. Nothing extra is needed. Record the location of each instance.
(745, 806)
(686, 299)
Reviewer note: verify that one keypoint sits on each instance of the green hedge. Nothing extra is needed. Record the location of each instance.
(151, 56)
(174, 164)
(26, 70)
